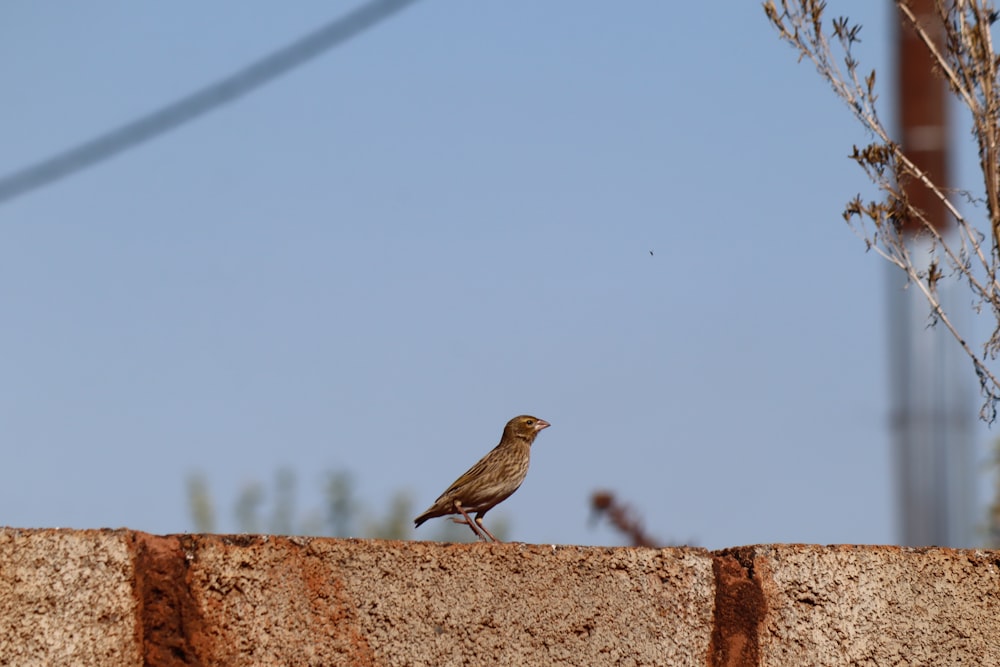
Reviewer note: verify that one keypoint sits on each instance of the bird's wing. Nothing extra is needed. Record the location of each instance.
(470, 474)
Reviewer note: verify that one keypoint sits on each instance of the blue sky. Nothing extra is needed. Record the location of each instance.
(374, 262)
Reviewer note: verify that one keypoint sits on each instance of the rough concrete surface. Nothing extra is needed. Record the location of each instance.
(66, 598)
(127, 598)
(850, 605)
(355, 602)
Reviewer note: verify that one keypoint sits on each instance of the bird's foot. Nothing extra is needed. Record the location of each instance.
(463, 522)
(474, 526)
(479, 522)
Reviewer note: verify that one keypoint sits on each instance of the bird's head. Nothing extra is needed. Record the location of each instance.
(524, 427)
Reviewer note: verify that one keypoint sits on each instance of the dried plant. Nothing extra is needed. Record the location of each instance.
(622, 517)
(963, 54)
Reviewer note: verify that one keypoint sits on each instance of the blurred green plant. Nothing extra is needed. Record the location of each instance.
(200, 503)
(256, 510)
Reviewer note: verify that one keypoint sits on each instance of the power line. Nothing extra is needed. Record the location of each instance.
(199, 102)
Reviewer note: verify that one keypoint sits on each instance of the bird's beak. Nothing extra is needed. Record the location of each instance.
(540, 424)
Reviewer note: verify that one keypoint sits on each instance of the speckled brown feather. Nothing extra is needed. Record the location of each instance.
(495, 476)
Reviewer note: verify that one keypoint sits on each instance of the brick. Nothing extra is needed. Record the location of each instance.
(356, 602)
(865, 605)
(66, 598)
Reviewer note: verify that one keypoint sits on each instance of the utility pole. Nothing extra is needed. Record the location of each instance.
(930, 400)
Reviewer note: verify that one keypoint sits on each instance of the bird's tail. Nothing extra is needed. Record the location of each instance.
(432, 512)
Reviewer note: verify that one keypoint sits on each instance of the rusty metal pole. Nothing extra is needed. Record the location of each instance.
(930, 401)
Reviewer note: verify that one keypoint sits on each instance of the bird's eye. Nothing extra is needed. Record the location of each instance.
(530, 422)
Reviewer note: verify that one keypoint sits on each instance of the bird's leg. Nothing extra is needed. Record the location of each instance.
(470, 524)
(468, 520)
(479, 521)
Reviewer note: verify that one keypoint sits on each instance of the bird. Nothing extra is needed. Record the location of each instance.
(492, 480)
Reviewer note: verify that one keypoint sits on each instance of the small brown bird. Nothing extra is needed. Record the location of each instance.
(492, 480)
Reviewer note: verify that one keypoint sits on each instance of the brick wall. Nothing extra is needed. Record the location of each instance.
(119, 597)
